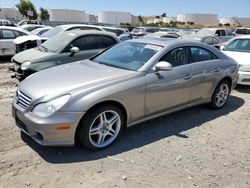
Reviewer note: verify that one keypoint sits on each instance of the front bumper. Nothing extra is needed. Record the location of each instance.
(244, 78)
(44, 130)
(19, 73)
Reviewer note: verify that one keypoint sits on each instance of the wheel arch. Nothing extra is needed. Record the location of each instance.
(102, 103)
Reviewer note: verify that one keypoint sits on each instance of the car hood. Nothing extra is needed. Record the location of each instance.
(69, 78)
(31, 55)
(242, 58)
(23, 39)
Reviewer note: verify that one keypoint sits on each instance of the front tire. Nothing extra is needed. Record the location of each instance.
(100, 127)
(220, 95)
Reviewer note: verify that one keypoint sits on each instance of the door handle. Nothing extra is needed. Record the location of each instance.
(188, 76)
(216, 70)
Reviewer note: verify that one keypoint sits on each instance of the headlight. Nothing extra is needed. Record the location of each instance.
(25, 65)
(48, 108)
(244, 68)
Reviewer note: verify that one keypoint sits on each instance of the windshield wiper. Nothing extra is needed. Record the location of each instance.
(44, 48)
(111, 65)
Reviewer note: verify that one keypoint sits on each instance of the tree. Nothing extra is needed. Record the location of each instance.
(164, 15)
(44, 14)
(140, 19)
(157, 16)
(227, 24)
(24, 6)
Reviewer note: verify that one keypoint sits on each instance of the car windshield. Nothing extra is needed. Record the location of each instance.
(128, 55)
(57, 42)
(54, 31)
(243, 31)
(205, 31)
(239, 45)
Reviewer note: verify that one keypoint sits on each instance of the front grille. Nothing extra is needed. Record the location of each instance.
(22, 99)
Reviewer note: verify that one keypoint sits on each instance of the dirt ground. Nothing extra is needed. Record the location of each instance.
(197, 147)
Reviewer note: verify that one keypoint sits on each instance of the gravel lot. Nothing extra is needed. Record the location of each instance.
(197, 147)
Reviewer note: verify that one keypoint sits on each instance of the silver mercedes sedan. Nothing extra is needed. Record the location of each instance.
(92, 101)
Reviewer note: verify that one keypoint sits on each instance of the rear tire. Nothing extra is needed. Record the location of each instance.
(100, 127)
(220, 95)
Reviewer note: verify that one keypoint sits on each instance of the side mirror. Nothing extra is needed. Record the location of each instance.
(222, 47)
(216, 35)
(74, 50)
(162, 66)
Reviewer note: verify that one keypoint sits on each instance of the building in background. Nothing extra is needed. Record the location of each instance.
(114, 17)
(204, 19)
(9, 13)
(169, 19)
(235, 21)
(67, 15)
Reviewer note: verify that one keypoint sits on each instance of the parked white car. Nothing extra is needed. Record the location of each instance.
(241, 31)
(7, 36)
(238, 48)
(31, 27)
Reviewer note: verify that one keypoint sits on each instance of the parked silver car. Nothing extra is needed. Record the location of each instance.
(91, 101)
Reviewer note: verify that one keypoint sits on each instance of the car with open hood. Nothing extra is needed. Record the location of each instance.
(63, 48)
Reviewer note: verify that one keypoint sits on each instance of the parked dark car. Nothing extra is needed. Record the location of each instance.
(63, 48)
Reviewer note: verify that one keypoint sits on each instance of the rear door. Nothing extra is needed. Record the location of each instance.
(7, 46)
(206, 71)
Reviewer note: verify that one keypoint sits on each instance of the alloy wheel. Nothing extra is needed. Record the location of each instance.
(105, 128)
(222, 95)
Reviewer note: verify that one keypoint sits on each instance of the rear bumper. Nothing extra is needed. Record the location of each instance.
(244, 78)
(45, 130)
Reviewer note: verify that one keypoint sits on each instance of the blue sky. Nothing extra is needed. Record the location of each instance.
(224, 8)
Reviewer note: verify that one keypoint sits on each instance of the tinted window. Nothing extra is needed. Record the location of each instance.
(18, 33)
(243, 31)
(7, 34)
(200, 54)
(88, 42)
(239, 45)
(107, 41)
(84, 28)
(176, 57)
(221, 33)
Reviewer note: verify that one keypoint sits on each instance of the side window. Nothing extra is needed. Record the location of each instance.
(8, 34)
(208, 40)
(176, 57)
(198, 54)
(18, 33)
(88, 42)
(107, 41)
(84, 28)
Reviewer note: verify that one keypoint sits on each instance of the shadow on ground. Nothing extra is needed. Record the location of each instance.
(5, 59)
(139, 135)
(242, 88)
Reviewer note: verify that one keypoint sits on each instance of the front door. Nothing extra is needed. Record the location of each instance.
(166, 90)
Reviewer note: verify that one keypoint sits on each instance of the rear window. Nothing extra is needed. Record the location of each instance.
(198, 54)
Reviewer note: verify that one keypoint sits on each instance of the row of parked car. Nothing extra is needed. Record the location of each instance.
(104, 85)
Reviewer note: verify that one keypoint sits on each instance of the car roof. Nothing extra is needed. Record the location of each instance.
(14, 28)
(165, 42)
(242, 37)
(78, 33)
